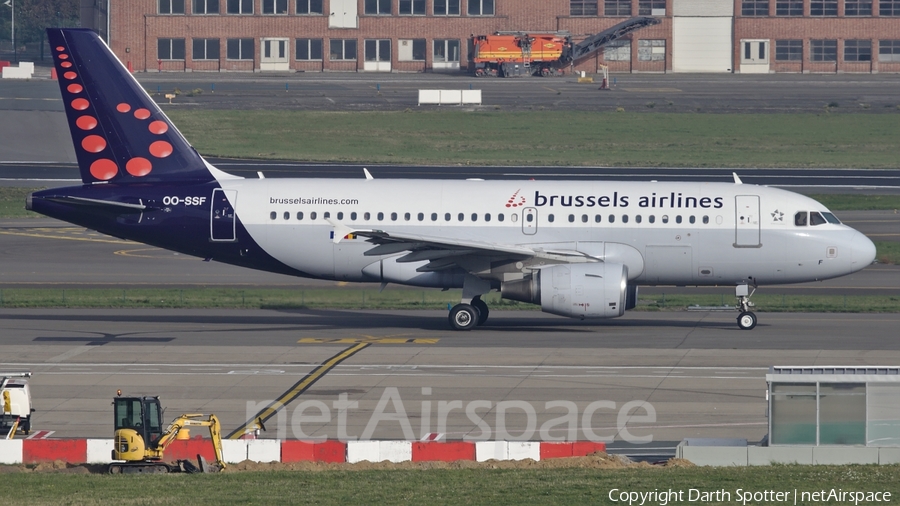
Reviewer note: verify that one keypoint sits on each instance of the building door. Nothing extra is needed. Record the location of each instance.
(746, 221)
(274, 55)
(222, 215)
(343, 14)
(377, 55)
(755, 56)
(529, 221)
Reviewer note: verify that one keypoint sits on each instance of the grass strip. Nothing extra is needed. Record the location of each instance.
(451, 486)
(548, 138)
(402, 298)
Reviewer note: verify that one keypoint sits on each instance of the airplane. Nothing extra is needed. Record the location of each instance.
(576, 248)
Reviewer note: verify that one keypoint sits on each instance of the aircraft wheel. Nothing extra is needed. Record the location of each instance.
(482, 309)
(463, 317)
(746, 320)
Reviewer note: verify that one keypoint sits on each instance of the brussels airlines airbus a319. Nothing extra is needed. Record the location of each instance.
(576, 248)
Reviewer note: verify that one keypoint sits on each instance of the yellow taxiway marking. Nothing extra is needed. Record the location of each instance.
(135, 253)
(37, 232)
(651, 90)
(298, 388)
(369, 340)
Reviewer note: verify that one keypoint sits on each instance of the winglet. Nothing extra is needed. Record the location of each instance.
(340, 230)
(368, 175)
(737, 180)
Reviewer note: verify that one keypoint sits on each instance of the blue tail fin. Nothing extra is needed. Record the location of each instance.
(120, 134)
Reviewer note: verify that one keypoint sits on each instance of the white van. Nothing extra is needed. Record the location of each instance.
(15, 402)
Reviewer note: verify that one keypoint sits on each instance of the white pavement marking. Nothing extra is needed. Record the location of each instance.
(74, 352)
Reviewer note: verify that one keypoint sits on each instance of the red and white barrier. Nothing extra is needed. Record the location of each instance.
(99, 451)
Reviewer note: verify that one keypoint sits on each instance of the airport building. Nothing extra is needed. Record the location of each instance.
(723, 36)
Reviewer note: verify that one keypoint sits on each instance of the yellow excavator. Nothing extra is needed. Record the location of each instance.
(140, 440)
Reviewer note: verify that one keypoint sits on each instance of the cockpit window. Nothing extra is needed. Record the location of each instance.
(831, 218)
(816, 219)
(800, 219)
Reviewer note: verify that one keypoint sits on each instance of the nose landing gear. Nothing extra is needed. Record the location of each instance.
(746, 320)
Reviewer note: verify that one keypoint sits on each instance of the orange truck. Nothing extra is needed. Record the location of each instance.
(507, 54)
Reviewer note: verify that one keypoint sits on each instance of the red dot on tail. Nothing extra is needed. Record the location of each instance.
(74, 88)
(142, 114)
(86, 122)
(104, 169)
(138, 166)
(93, 143)
(80, 104)
(158, 127)
(60, 48)
(508, 205)
(63, 57)
(65, 64)
(123, 107)
(70, 75)
(160, 149)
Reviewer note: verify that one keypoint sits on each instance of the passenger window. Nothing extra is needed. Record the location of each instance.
(380, 216)
(393, 216)
(461, 217)
(446, 216)
(312, 215)
(706, 220)
(597, 218)
(530, 218)
(514, 217)
(326, 215)
(665, 218)
(612, 218)
(353, 216)
(693, 219)
(474, 216)
(433, 216)
(584, 218)
(571, 218)
(367, 216)
(637, 219)
(651, 218)
(273, 215)
(487, 217)
(340, 216)
(550, 218)
(624, 218)
(406, 217)
(500, 217)
(421, 216)
(300, 215)
(816, 219)
(678, 219)
(287, 215)
(800, 219)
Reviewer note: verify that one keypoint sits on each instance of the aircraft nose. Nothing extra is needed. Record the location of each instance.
(862, 251)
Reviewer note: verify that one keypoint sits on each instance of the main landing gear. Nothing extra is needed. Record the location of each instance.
(468, 316)
(746, 320)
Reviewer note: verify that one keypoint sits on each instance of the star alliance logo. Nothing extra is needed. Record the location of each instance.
(777, 215)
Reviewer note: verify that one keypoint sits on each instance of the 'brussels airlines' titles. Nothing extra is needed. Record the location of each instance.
(671, 201)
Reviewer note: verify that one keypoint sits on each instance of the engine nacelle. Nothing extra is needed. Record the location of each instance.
(585, 290)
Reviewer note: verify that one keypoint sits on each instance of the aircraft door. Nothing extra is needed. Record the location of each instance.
(746, 221)
(529, 221)
(222, 215)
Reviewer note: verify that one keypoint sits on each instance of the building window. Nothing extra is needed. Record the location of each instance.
(889, 8)
(239, 49)
(446, 51)
(309, 49)
(483, 7)
(309, 7)
(823, 50)
(789, 8)
(889, 50)
(823, 7)
(617, 50)
(858, 8)
(342, 49)
(617, 7)
(651, 7)
(205, 49)
(274, 6)
(583, 8)
(755, 8)
(411, 50)
(378, 7)
(652, 50)
(170, 49)
(446, 7)
(171, 6)
(206, 7)
(239, 7)
(788, 50)
(857, 50)
(412, 7)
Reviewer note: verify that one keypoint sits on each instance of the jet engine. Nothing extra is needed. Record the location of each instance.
(584, 290)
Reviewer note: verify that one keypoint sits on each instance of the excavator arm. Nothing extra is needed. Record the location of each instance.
(194, 420)
(595, 42)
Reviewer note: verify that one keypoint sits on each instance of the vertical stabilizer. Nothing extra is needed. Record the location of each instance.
(120, 134)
